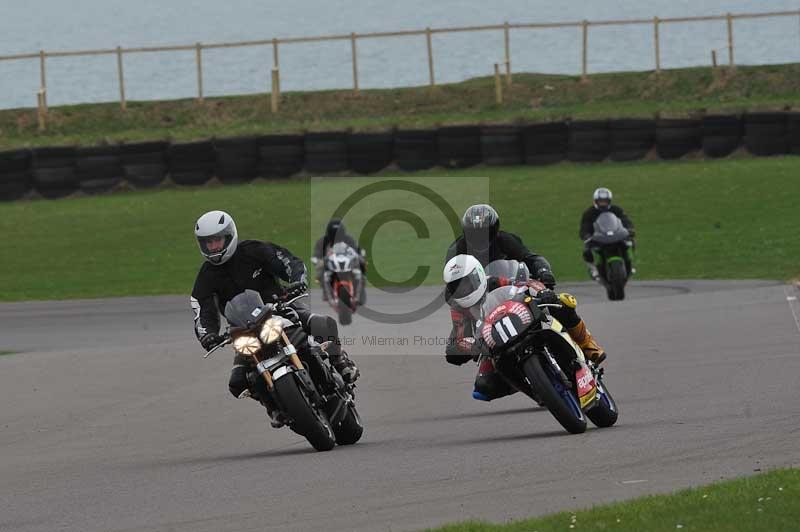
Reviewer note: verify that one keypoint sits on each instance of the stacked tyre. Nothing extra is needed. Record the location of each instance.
(144, 164)
(54, 173)
(191, 163)
(501, 146)
(793, 133)
(415, 149)
(99, 169)
(722, 135)
(280, 156)
(589, 141)
(459, 146)
(677, 137)
(236, 159)
(631, 139)
(15, 178)
(765, 133)
(545, 143)
(326, 153)
(368, 153)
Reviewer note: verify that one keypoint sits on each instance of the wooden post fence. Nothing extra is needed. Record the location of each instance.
(713, 59)
(428, 32)
(354, 54)
(507, 46)
(199, 56)
(585, 54)
(657, 39)
(123, 104)
(430, 57)
(731, 62)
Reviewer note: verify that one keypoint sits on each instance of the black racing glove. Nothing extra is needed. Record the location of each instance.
(210, 340)
(547, 278)
(547, 297)
(296, 288)
(461, 351)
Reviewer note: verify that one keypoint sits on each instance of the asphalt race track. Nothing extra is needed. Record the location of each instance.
(111, 420)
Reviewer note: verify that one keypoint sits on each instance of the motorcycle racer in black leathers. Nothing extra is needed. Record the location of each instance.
(601, 202)
(335, 232)
(230, 268)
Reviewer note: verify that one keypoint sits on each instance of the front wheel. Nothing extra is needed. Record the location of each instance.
(345, 306)
(350, 429)
(616, 280)
(561, 402)
(306, 420)
(605, 413)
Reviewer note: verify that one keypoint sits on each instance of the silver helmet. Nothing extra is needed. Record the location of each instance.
(602, 199)
(217, 237)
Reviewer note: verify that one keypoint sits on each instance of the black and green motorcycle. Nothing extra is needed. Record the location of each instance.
(612, 247)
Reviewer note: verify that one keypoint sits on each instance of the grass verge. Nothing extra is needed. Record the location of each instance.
(532, 97)
(763, 502)
(733, 218)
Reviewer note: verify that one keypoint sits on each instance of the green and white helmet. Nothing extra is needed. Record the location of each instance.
(465, 280)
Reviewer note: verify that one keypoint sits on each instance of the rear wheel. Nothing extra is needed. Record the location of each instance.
(605, 413)
(561, 402)
(306, 420)
(616, 280)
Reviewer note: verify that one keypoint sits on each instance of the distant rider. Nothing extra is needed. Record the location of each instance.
(484, 242)
(601, 202)
(229, 269)
(335, 232)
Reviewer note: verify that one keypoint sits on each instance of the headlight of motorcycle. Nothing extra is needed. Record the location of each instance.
(271, 330)
(246, 345)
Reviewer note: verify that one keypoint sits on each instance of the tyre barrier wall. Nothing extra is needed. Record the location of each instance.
(55, 172)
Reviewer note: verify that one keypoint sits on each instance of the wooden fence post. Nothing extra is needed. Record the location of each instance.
(585, 55)
(275, 96)
(657, 39)
(498, 87)
(354, 54)
(41, 113)
(731, 62)
(507, 46)
(275, 59)
(123, 104)
(199, 56)
(430, 57)
(43, 77)
(713, 59)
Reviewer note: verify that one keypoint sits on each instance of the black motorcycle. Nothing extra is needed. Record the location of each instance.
(534, 353)
(309, 395)
(612, 248)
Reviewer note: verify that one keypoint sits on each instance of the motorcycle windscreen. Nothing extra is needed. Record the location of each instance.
(510, 269)
(609, 229)
(342, 258)
(497, 297)
(244, 309)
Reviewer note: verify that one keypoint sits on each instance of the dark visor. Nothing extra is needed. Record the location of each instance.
(463, 287)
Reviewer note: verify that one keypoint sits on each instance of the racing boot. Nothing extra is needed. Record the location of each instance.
(581, 336)
(342, 363)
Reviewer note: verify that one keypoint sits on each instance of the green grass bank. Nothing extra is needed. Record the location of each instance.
(766, 502)
(532, 97)
(733, 218)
